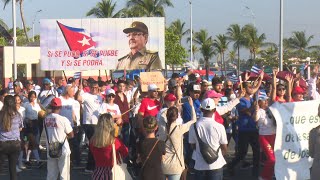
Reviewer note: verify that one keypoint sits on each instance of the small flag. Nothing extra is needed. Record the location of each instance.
(262, 95)
(233, 78)
(255, 69)
(77, 75)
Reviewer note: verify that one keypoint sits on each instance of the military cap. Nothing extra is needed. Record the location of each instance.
(136, 26)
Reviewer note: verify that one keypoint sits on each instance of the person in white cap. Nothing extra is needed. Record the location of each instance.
(213, 134)
(110, 107)
(150, 106)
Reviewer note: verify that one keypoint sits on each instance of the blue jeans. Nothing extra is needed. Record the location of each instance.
(215, 174)
(172, 176)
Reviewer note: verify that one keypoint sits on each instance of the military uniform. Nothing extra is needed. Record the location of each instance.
(143, 59)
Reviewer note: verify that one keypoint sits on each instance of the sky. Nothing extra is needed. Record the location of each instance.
(213, 15)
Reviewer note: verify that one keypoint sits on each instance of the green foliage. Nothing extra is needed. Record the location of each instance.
(104, 9)
(3, 41)
(147, 8)
(21, 38)
(175, 53)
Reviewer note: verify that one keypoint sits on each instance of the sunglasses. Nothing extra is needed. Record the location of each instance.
(281, 89)
(111, 96)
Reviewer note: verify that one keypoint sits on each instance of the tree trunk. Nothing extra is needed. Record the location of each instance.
(224, 65)
(172, 66)
(23, 20)
(238, 61)
(221, 60)
(207, 68)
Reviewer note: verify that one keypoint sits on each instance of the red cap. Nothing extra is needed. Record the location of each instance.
(56, 102)
(170, 97)
(213, 94)
(298, 90)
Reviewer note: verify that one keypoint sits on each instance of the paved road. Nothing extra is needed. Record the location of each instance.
(78, 173)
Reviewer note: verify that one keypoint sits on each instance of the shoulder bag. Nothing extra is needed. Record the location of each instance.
(208, 153)
(119, 171)
(144, 163)
(54, 148)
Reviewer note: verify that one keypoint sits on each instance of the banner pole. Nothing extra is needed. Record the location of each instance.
(64, 74)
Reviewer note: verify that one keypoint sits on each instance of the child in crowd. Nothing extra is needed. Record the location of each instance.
(150, 151)
(267, 134)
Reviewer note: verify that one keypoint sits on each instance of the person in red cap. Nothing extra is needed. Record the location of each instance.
(297, 94)
(169, 101)
(58, 129)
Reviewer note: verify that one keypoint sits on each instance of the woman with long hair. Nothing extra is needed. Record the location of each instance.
(101, 147)
(23, 138)
(11, 124)
(32, 126)
(172, 133)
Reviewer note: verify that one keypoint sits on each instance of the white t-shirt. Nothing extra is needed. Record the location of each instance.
(32, 111)
(179, 120)
(213, 134)
(58, 127)
(112, 109)
(265, 124)
(22, 112)
(76, 110)
(91, 107)
(67, 109)
(1, 105)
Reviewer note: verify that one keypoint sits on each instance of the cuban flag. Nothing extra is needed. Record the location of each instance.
(77, 75)
(76, 38)
(233, 78)
(255, 69)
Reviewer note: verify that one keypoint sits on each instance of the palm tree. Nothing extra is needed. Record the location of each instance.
(300, 43)
(21, 14)
(206, 47)
(104, 9)
(177, 28)
(253, 41)
(232, 56)
(195, 49)
(150, 8)
(235, 34)
(221, 44)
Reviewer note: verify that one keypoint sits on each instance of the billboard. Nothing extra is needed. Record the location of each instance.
(104, 43)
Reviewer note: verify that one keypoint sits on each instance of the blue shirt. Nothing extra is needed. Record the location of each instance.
(14, 133)
(187, 113)
(245, 122)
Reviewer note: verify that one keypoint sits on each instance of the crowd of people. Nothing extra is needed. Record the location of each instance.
(159, 135)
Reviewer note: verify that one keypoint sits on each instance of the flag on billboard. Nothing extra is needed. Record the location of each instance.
(76, 38)
(255, 69)
(233, 78)
(77, 75)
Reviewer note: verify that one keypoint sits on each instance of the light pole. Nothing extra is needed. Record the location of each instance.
(281, 37)
(34, 18)
(191, 53)
(14, 38)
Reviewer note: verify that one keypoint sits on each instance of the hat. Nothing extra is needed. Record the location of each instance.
(262, 96)
(70, 80)
(153, 87)
(298, 90)
(204, 82)
(212, 94)
(208, 104)
(194, 87)
(172, 83)
(170, 97)
(46, 81)
(56, 102)
(136, 26)
(110, 91)
(17, 83)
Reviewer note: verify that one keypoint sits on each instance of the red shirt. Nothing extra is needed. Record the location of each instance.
(103, 156)
(277, 100)
(123, 106)
(150, 107)
(218, 118)
(86, 89)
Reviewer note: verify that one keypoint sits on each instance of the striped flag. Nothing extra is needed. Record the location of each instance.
(77, 75)
(255, 69)
(233, 78)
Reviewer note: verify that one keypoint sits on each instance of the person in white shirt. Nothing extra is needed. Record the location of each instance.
(3, 93)
(70, 108)
(213, 134)
(92, 102)
(267, 134)
(32, 126)
(58, 129)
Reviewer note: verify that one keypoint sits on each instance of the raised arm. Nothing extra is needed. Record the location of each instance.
(274, 84)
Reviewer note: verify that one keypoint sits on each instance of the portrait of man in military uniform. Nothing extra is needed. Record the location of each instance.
(139, 57)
